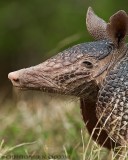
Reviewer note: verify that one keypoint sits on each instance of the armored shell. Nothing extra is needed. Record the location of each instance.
(112, 106)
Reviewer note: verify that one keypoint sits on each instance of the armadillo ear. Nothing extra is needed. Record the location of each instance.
(95, 25)
(117, 28)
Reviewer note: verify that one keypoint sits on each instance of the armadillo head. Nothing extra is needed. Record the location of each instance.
(75, 71)
(69, 72)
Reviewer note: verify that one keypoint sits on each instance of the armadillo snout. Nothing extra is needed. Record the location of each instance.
(14, 77)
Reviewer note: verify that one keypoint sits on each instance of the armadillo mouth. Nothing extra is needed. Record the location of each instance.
(42, 89)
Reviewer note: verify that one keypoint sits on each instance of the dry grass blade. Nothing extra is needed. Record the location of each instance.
(6, 150)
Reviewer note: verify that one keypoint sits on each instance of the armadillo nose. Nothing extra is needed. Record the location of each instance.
(14, 77)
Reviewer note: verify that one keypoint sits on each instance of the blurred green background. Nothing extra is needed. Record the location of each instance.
(30, 32)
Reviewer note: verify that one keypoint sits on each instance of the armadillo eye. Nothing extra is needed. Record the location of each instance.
(88, 64)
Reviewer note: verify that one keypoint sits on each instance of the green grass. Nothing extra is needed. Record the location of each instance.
(33, 123)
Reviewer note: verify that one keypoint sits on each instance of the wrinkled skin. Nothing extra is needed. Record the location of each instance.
(71, 72)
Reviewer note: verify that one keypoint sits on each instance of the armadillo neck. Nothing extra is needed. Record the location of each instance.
(88, 110)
